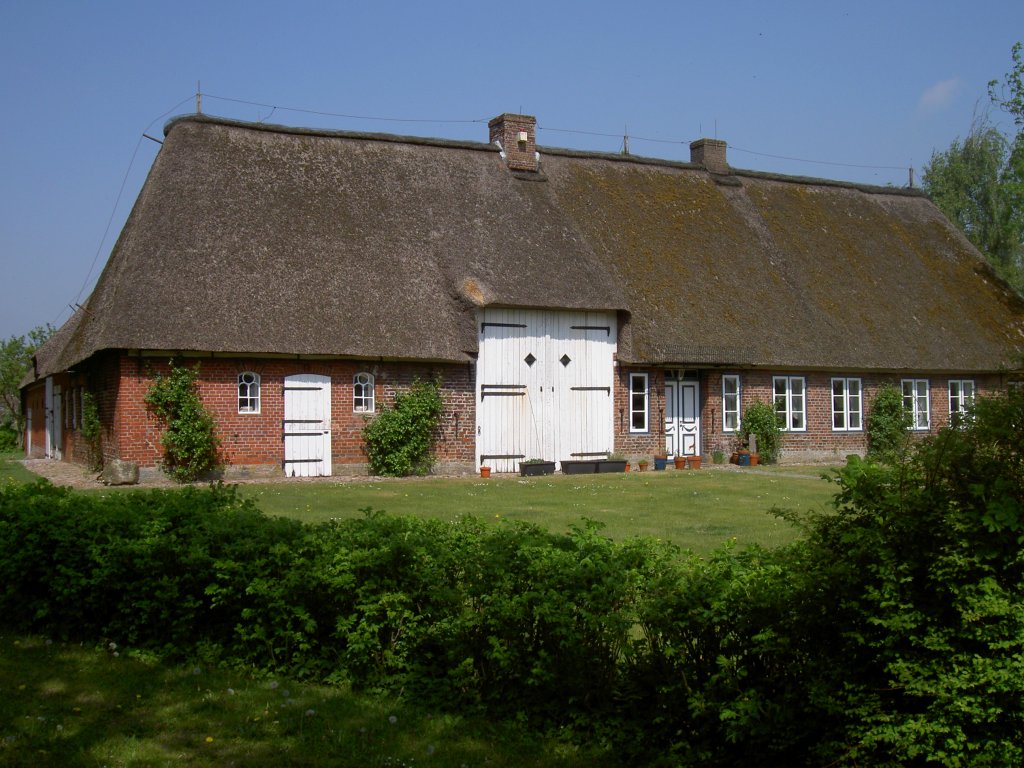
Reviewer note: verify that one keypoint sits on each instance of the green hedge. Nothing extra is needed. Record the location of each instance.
(892, 634)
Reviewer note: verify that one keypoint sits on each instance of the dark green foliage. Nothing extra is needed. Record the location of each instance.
(979, 183)
(15, 362)
(399, 439)
(891, 635)
(92, 431)
(189, 440)
(761, 420)
(8, 437)
(888, 425)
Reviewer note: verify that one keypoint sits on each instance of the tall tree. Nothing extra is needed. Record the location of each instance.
(15, 360)
(979, 182)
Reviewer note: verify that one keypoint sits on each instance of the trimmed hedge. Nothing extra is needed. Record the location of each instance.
(892, 635)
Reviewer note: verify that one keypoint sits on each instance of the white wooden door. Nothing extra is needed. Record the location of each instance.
(544, 386)
(307, 425)
(682, 418)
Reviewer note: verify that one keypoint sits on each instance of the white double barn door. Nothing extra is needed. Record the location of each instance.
(545, 386)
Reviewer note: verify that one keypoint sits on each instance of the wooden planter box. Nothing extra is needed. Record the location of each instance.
(611, 465)
(536, 468)
(579, 467)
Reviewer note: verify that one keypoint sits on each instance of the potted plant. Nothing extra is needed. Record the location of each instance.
(680, 462)
(693, 462)
(660, 462)
(642, 465)
(535, 467)
(485, 471)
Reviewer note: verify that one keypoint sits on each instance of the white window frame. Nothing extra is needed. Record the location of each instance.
(790, 406)
(639, 395)
(917, 402)
(731, 401)
(249, 403)
(363, 396)
(847, 405)
(963, 398)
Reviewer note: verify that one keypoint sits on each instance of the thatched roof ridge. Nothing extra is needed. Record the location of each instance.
(258, 239)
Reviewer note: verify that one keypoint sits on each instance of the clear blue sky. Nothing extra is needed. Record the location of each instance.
(866, 83)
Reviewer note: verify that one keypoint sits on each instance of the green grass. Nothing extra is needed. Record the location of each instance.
(696, 510)
(11, 469)
(69, 705)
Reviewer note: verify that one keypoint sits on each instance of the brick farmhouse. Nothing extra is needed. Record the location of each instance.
(572, 304)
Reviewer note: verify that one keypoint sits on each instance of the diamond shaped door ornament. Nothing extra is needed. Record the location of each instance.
(530, 359)
(565, 360)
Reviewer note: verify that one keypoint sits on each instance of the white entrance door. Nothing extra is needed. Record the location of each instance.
(307, 425)
(682, 418)
(544, 386)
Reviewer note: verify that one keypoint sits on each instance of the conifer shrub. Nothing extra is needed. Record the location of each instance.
(761, 420)
(888, 425)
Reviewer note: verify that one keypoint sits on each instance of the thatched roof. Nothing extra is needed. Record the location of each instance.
(261, 239)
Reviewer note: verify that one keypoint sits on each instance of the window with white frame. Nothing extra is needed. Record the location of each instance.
(961, 397)
(638, 402)
(248, 392)
(362, 393)
(847, 415)
(916, 402)
(791, 402)
(730, 402)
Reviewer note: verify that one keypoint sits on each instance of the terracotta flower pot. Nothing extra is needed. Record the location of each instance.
(485, 471)
(755, 459)
(680, 462)
(693, 462)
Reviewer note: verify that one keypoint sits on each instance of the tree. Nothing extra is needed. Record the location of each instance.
(15, 362)
(1013, 103)
(979, 182)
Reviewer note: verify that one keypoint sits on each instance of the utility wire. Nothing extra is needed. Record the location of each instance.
(819, 162)
(341, 114)
(117, 202)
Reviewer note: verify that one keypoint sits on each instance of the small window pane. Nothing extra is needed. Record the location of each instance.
(248, 392)
(362, 393)
(638, 402)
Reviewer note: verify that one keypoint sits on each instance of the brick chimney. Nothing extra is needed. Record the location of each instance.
(517, 135)
(710, 153)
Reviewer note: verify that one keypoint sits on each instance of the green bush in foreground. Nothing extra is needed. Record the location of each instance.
(891, 635)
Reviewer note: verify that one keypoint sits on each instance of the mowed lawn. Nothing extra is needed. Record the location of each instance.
(694, 509)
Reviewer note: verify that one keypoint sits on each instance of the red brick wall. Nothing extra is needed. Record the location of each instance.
(256, 438)
(119, 382)
(638, 445)
(818, 442)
